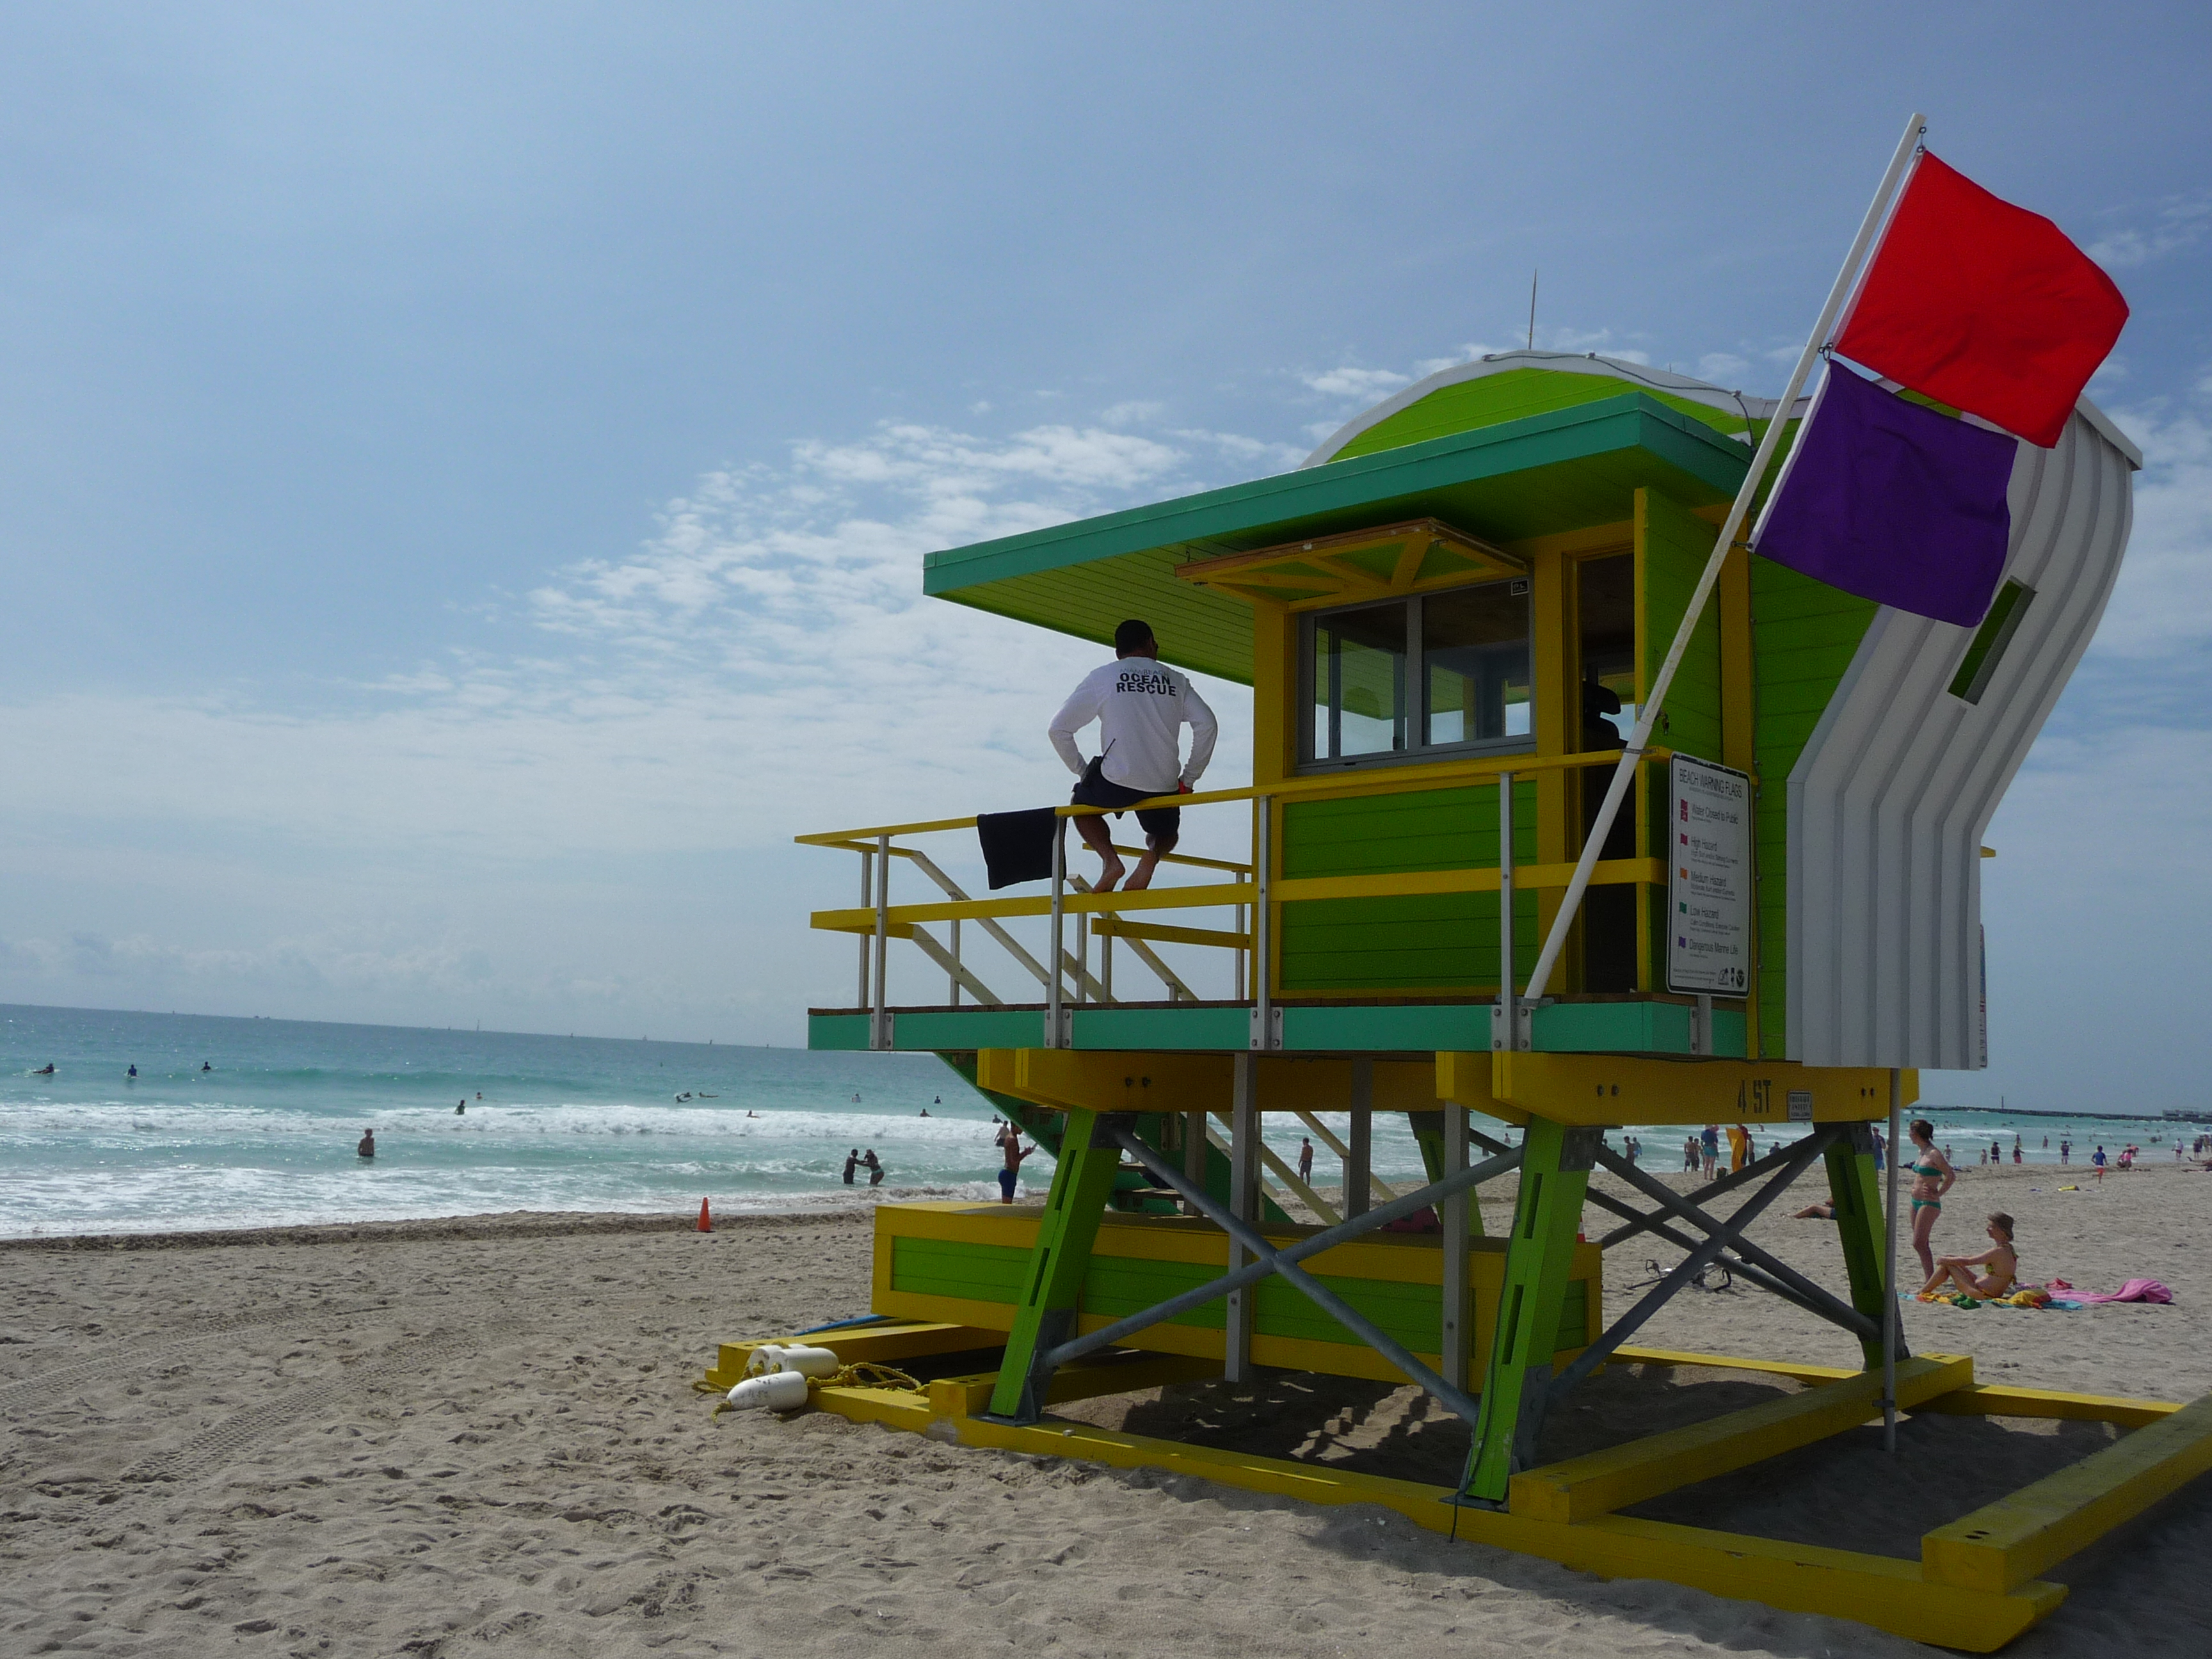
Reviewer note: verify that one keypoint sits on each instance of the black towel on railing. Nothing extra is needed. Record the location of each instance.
(1016, 846)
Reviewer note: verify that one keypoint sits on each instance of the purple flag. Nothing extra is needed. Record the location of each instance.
(1891, 500)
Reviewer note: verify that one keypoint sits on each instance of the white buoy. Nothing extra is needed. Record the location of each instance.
(770, 1357)
(777, 1391)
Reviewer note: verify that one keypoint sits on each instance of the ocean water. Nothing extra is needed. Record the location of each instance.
(267, 1137)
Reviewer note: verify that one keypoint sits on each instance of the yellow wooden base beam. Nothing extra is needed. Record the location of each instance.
(1879, 1590)
(883, 1345)
(2000, 1399)
(2007, 1542)
(1582, 1488)
(1628, 1354)
(1114, 1373)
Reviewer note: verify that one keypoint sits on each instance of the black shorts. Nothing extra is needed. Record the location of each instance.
(1094, 789)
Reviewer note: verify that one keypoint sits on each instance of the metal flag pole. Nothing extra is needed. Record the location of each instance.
(1625, 773)
(1889, 1275)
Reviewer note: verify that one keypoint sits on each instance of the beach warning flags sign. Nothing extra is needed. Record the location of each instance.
(706, 1221)
(1982, 306)
(1968, 302)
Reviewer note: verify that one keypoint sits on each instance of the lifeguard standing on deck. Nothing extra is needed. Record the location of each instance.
(1141, 706)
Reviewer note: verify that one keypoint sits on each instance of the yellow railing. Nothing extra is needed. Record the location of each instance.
(1111, 916)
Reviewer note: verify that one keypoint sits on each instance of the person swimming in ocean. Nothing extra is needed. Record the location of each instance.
(132, 1072)
(206, 1066)
(461, 1111)
(47, 1070)
(365, 1146)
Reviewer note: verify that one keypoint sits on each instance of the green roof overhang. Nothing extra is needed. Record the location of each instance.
(1569, 468)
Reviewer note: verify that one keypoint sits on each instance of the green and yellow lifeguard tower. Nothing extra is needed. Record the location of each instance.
(1440, 615)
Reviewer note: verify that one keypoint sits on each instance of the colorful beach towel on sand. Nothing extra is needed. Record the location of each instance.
(2136, 1290)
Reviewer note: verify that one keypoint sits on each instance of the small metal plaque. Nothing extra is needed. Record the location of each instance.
(1800, 1105)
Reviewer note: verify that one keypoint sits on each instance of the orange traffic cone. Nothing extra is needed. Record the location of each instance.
(706, 1222)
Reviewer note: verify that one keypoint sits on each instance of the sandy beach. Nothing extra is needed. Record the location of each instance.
(448, 1438)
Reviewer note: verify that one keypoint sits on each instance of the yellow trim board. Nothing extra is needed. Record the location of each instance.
(2008, 1542)
(1113, 1081)
(1609, 1089)
(1582, 1488)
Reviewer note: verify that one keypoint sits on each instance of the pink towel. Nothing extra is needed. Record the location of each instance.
(2136, 1290)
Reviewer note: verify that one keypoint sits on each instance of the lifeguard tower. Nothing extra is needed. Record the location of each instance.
(1439, 614)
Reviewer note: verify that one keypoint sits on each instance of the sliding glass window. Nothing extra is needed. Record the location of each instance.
(1427, 678)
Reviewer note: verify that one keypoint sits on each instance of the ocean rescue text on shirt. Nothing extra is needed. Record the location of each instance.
(1145, 680)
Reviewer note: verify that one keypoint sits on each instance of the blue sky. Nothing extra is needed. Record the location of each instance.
(465, 471)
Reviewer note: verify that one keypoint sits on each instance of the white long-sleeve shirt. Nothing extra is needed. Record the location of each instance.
(1140, 705)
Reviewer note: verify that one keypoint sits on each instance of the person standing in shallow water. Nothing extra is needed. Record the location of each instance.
(852, 1162)
(875, 1169)
(1932, 1176)
(365, 1146)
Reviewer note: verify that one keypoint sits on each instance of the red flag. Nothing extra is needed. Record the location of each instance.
(1982, 306)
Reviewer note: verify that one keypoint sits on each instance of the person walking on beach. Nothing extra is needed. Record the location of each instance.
(852, 1162)
(2065, 1152)
(365, 1146)
(2097, 1157)
(1709, 1150)
(1010, 1148)
(1305, 1158)
(1689, 1153)
(1932, 1176)
(1141, 706)
(874, 1169)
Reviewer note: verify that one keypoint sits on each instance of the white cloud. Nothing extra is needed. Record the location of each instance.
(1721, 367)
(2163, 600)
(494, 830)
(1348, 382)
(1136, 412)
(2178, 222)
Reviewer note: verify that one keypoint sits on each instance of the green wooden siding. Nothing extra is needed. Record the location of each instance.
(1114, 1286)
(1384, 945)
(1508, 396)
(1805, 633)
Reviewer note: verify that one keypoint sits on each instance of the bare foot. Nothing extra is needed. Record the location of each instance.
(1110, 872)
(1143, 879)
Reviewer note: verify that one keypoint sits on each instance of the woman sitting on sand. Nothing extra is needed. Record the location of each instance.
(2000, 1259)
(1932, 1175)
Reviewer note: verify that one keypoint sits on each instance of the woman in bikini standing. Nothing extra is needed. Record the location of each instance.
(1932, 1175)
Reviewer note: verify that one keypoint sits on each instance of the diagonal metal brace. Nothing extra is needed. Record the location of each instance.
(1813, 1297)
(1725, 1234)
(1283, 1263)
(1252, 1272)
(1707, 1193)
(1656, 1225)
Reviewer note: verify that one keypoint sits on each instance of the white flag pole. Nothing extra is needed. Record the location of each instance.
(1625, 773)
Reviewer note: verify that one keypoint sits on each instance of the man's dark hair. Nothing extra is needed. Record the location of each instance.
(1133, 635)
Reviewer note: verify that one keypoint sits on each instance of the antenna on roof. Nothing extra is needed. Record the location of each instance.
(1532, 310)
